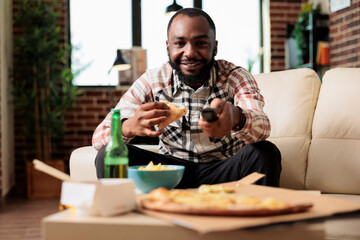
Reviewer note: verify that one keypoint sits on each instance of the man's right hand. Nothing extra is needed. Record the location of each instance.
(146, 116)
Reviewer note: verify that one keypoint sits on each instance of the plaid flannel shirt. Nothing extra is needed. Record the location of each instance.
(184, 138)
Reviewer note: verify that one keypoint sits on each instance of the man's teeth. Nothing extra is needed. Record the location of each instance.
(191, 64)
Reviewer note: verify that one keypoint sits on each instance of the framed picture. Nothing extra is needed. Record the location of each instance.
(336, 5)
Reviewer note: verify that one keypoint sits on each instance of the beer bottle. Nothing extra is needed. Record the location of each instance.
(116, 159)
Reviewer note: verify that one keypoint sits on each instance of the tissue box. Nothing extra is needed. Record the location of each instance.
(105, 197)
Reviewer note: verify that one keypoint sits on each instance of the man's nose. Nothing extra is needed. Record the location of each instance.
(190, 51)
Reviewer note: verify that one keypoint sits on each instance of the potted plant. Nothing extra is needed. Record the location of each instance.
(300, 32)
(42, 79)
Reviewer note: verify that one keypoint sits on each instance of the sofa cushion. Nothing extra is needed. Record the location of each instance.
(290, 99)
(334, 155)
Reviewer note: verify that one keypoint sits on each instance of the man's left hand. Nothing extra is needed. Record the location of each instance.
(228, 117)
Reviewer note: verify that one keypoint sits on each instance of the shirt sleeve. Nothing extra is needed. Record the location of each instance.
(138, 93)
(248, 97)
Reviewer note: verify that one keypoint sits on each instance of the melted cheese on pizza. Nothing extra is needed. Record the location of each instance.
(221, 200)
(216, 189)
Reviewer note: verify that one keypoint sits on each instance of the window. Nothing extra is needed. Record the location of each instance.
(237, 30)
(98, 29)
(154, 29)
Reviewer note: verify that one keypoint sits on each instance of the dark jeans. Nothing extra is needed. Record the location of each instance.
(263, 157)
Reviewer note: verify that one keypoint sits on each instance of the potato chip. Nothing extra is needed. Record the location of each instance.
(152, 167)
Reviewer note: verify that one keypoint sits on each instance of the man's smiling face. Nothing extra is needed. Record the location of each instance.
(191, 47)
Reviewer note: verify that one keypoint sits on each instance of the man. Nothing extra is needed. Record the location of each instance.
(227, 149)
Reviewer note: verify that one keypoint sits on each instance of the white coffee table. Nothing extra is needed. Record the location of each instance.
(132, 226)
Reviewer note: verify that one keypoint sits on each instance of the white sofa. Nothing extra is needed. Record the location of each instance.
(315, 125)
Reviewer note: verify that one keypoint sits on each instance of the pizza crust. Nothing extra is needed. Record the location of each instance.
(175, 114)
(176, 208)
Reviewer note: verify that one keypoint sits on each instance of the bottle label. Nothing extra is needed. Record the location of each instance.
(116, 161)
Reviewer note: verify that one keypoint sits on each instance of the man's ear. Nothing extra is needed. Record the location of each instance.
(215, 47)
(167, 47)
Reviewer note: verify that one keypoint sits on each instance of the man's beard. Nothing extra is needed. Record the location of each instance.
(199, 78)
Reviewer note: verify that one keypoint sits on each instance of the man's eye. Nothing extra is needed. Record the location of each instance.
(179, 44)
(202, 43)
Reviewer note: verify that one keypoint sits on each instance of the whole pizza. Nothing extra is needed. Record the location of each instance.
(216, 200)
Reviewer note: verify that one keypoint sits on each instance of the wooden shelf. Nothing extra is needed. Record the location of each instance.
(317, 30)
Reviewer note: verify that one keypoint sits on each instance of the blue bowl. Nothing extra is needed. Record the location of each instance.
(146, 180)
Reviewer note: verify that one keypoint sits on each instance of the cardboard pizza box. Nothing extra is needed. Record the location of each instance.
(105, 197)
(323, 206)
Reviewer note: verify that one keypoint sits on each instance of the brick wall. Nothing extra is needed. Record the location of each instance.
(282, 13)
(345, 36)
(344, 33)
(92, 107)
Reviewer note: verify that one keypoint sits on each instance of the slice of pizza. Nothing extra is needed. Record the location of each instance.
(175, 114)
(217, 203)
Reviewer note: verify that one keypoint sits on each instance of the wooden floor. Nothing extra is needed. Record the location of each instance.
(21, 218)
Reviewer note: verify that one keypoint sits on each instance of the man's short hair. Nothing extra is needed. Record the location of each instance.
(193, 12)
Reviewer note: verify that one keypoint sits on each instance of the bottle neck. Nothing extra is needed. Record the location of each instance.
(116, 130)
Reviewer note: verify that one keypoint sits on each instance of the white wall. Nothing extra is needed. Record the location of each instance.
(7, 138)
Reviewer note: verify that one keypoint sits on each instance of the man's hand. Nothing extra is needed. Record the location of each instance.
(146, 116)
(228, 117)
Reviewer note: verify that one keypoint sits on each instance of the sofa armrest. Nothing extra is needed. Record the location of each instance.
(82, 164)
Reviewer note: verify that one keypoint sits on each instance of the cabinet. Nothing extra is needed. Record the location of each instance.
(316, 31)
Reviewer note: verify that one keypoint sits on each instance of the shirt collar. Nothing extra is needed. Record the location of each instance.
(177, 84)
